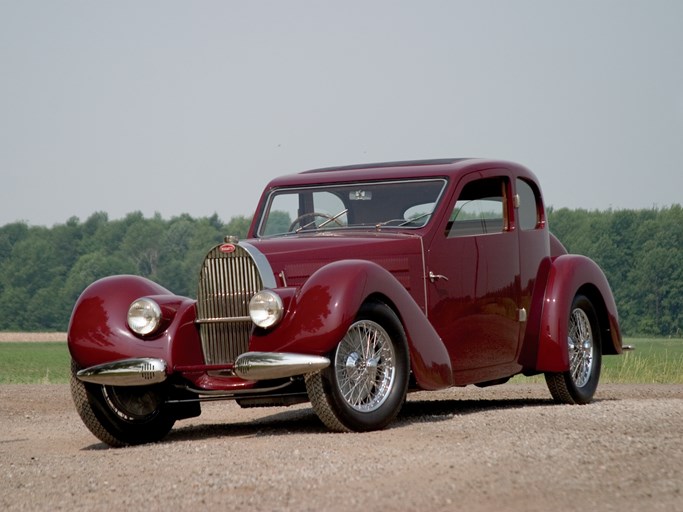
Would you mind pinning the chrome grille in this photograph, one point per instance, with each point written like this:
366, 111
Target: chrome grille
227, 283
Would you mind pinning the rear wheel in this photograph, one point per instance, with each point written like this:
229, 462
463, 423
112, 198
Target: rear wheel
365, 386
121, 415
578, 385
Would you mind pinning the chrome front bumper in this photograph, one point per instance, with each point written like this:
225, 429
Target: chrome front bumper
249, 366
126, 372
277, 365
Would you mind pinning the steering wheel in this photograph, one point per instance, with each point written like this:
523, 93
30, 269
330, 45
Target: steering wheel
313, 215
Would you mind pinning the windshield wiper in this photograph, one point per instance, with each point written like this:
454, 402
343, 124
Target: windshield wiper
415, 219
323, 224
402, 221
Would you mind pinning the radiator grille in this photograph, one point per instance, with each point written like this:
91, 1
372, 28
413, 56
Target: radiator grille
227, 283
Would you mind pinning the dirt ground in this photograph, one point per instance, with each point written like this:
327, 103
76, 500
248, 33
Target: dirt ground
503, 448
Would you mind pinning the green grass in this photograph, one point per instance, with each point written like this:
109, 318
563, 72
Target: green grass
34, 363
655, 360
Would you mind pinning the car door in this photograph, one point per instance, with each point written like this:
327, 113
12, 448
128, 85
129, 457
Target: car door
473, 282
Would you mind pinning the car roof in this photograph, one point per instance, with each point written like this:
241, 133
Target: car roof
382, 165
434, 168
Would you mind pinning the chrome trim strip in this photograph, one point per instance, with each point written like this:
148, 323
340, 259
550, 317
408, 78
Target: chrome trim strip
346, 184
224, 319
277, 365
424, 273
262, 265
143, 371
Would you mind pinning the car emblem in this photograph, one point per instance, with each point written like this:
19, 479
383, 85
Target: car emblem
227, 248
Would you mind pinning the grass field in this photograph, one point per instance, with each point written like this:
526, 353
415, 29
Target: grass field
34, 363
657, 361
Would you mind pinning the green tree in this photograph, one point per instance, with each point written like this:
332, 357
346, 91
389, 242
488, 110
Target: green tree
176, 244
238, 226
10, 235
278, 222
88, 269
43, 270
142, 244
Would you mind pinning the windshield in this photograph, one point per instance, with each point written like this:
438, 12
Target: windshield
406, 204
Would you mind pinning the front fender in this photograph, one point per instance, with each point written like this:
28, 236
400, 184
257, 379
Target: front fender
568, 276
98, 332
319, 315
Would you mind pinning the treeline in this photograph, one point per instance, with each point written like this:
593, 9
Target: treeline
641, 252
43, 270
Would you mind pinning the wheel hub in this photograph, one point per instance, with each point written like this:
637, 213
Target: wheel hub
133, 404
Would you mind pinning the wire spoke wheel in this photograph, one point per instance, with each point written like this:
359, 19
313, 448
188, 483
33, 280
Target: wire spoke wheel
364, 366
580, 344
365, 386
578, 384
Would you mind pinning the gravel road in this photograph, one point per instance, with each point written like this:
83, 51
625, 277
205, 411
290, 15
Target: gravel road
503, 448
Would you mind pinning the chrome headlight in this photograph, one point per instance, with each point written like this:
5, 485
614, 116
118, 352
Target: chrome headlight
265, 308
144, 316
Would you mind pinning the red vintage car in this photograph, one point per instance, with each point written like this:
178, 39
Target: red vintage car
355, 286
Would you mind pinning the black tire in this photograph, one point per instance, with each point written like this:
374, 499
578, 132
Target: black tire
578, 385
364, 390
121, 416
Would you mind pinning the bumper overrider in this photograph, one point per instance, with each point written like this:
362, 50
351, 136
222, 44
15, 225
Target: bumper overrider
249, 366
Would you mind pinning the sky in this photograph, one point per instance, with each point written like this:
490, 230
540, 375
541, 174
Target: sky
176, 107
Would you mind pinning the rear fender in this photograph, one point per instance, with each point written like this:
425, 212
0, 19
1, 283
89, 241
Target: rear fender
98, 330
568, 276
319, 315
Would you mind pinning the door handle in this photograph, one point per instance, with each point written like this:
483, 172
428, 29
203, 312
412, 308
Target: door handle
435, 277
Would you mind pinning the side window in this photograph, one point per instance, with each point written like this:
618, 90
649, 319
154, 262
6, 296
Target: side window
480, 209
528, 206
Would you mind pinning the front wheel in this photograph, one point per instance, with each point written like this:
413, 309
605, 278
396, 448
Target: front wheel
365, 386
121, 415
578, 385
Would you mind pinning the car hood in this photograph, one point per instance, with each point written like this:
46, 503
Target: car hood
294, 259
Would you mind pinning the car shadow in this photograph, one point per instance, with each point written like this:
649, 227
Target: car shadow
287, 422
305, 421
420, 411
